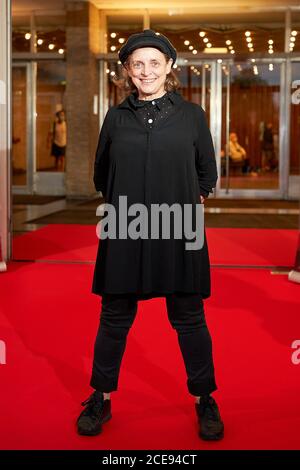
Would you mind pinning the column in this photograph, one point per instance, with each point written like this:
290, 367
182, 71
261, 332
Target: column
82, 77
5, 132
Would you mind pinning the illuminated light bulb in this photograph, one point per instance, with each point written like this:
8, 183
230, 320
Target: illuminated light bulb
40, 42
27, 36
247, 33
294, 33
202, 34
248, 39
250, 44
107, 70
232, 51
228, 42
121, 40
251, 49
51, 46
113, 35
113, 73
186, 42
220, 61
61, 51
270, 41
191, 48
208, 44
293, 39
113, 48
194, 51
205, 40
270, 51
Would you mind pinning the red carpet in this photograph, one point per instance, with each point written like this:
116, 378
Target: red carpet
48, 321
229, 246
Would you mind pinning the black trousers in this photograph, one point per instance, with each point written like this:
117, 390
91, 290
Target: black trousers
186, 316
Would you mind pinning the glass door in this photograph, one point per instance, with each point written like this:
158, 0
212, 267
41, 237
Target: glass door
22, 144
252, 137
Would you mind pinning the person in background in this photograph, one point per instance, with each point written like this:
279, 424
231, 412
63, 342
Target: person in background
58, 136
237, 153
268, 163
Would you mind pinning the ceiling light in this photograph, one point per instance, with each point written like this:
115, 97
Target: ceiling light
205, 40
61, 51
113, 35
251, 49
293, 39
250, 44
247, 33
232, 51
270, 41
202, 34
248, 39
186, 42
194, 51
270, 51
40, 42
51, 46
27, 36
208, 44
121, 40
294, 33
113, 48
191, 48
228, 42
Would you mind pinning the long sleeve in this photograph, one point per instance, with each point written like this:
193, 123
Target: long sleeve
205, 155
102, 156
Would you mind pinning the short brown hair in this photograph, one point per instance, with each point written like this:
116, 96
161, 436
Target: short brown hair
172, 83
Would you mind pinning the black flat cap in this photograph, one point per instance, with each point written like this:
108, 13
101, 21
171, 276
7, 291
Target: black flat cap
148, 38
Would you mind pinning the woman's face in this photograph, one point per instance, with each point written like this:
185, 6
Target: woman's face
148, 70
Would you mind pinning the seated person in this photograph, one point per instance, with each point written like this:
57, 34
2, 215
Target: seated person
237, 153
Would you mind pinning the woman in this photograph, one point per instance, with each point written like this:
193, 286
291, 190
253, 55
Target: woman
154, 148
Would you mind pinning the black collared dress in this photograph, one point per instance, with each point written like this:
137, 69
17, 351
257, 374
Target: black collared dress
153, 152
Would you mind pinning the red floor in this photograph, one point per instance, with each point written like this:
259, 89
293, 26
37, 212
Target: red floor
48, 321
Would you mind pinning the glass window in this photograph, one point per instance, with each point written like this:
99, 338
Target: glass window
51, 83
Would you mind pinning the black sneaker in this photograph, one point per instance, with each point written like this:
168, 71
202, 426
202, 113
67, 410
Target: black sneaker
97, 411
211, 427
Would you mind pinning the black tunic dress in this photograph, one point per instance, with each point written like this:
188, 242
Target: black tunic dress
154, 152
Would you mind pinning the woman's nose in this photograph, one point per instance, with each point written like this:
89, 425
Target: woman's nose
146, 69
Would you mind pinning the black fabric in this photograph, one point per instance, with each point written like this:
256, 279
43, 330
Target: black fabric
147, 38
152, 111
173, 162
186, 315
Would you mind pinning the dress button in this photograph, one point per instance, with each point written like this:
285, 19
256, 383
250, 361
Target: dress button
150, 121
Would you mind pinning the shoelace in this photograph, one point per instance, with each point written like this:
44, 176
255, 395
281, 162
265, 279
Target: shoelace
208, 406
94, 404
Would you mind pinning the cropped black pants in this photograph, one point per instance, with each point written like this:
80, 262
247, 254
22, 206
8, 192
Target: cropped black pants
186, 315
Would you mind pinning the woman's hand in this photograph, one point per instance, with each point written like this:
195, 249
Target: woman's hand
202, 199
